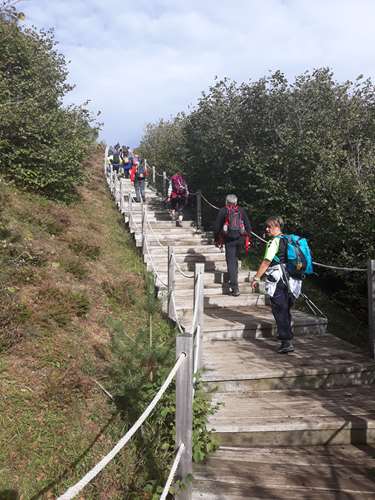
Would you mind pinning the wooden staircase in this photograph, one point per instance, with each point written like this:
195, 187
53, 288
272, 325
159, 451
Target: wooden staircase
296, 426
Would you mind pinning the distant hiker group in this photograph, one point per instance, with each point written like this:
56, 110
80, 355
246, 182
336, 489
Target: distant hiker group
287, 257
125, 162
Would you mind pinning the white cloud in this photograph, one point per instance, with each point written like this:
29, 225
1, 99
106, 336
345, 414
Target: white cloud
141, 60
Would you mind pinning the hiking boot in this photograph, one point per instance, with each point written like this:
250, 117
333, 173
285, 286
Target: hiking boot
235, 291
285, 348
178, 223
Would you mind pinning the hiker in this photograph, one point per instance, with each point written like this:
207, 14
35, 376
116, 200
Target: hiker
280, 286
138, 176
125, 161
178, 195
115, 160
231, 228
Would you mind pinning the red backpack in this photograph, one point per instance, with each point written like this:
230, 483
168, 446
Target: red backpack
179, 185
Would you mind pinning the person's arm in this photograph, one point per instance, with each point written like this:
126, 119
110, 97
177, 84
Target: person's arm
219, 222
271, 252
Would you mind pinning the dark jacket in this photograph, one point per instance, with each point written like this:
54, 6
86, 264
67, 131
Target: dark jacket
220, 220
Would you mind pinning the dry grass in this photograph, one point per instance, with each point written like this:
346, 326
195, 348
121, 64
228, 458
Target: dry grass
66, 273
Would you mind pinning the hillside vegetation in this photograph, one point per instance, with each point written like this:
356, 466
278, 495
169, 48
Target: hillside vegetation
304, 150
42, 141
75, 307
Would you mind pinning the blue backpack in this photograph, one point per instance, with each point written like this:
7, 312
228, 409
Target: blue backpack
298, 256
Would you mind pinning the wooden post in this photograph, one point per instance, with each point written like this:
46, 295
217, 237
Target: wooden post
153, 175
199, 272
164, 184
171, 282
199, 209
121, 204
144, 230
371, 305
184, 414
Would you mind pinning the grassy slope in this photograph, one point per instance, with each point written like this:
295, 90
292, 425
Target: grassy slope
67, 274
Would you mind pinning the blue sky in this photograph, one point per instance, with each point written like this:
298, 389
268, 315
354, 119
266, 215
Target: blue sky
138, 61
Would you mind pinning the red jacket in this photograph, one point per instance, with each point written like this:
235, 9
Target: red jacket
133, 172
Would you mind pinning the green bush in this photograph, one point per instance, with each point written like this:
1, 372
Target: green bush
42, 143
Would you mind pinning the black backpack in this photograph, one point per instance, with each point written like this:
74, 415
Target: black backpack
116, 158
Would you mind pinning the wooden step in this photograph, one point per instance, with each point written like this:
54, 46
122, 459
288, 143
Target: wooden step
296, 417
317, 473
231, 323
321, 361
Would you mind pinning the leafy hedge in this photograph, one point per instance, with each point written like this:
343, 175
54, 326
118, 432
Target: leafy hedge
42, 142
304, 150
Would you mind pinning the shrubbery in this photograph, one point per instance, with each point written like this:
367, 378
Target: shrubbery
304, 150
42, 142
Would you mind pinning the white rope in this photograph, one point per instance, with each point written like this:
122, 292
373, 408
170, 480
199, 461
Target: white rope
172, 473
213, 206
152, 262
74, 490
339, 268
180, 270
153, 232
179, 326
259, 237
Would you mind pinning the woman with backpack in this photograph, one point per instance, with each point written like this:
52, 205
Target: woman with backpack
178, 195
281, 287
138, 176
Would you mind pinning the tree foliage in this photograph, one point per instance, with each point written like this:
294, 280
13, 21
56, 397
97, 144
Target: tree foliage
304, 150
42, 142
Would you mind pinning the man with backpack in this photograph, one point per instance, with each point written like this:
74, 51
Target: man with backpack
138, 176
116, 160
286, 260
232, 228
178, 195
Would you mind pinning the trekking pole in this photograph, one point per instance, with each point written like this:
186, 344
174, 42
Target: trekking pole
199, 210
371, 305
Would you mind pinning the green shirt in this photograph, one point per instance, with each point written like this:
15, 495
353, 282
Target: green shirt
272, 249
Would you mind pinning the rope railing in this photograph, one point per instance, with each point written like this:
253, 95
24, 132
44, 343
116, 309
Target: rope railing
87, 478
173, 471
187, 346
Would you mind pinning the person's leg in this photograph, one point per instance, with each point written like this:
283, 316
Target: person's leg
180, 210
280, 304
142, 189
232, 263
137, 192
173, 208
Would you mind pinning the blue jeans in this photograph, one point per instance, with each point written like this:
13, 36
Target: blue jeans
139, 187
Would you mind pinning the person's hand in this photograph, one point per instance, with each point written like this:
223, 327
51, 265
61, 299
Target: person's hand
254, 283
